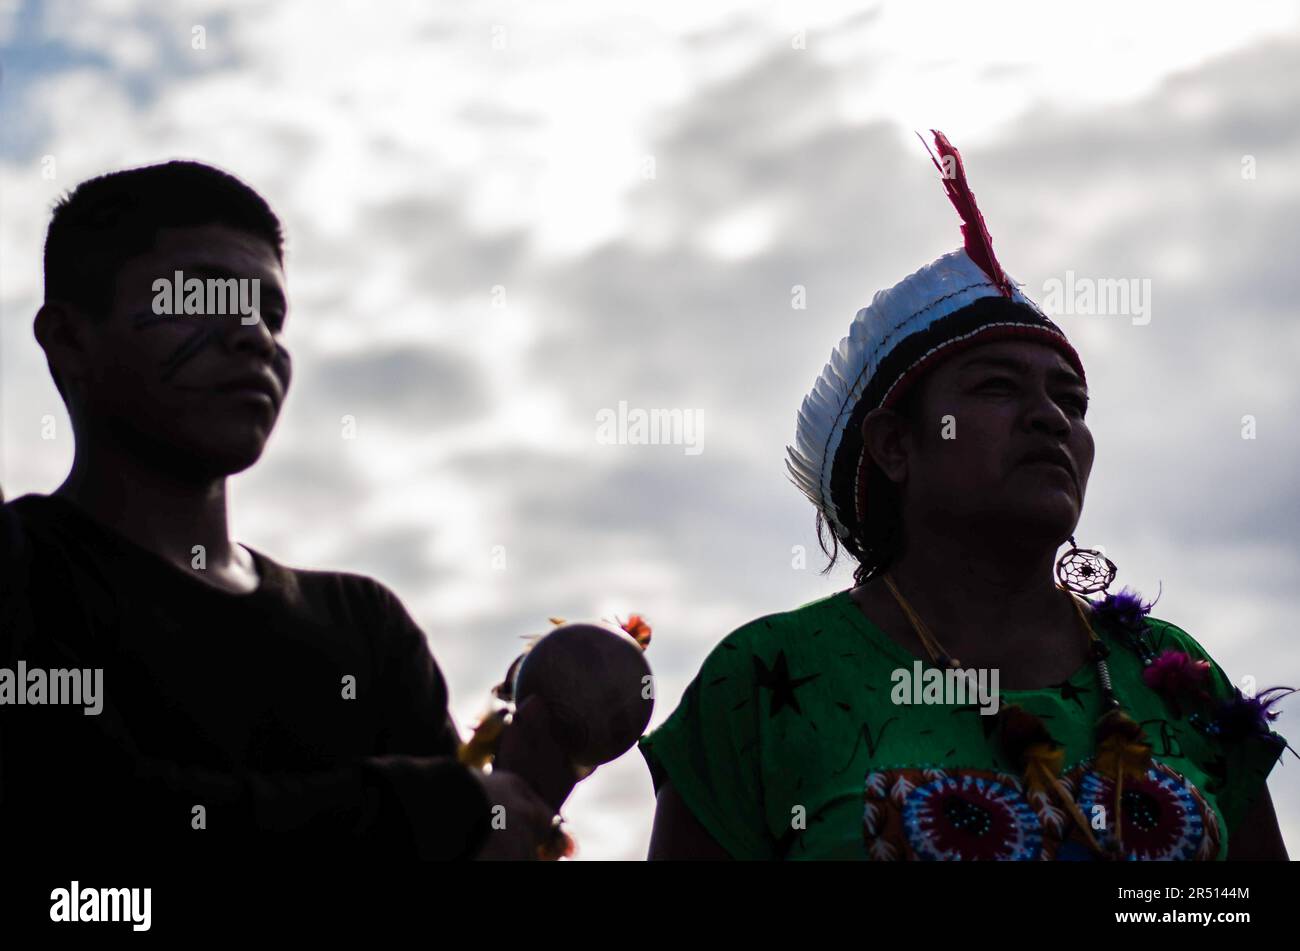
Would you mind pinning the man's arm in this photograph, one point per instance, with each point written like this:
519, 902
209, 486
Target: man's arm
531, 775
85, 777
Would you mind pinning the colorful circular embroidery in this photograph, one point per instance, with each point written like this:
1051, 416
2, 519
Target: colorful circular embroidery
977, 814
970, 818
1161, 815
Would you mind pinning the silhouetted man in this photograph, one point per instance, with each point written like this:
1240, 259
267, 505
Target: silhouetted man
165, 690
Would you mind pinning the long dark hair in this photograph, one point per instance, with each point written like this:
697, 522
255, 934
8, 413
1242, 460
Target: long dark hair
877, 538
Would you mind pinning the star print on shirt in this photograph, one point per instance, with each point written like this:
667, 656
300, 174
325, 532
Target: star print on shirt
777, 679
1070, 692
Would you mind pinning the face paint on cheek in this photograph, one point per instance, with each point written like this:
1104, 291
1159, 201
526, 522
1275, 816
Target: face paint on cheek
144, 320
191, 345
188, 348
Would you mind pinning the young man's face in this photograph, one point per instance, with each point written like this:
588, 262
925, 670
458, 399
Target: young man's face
197, 393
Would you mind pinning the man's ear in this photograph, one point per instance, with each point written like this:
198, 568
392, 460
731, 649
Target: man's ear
63, 331
882, 436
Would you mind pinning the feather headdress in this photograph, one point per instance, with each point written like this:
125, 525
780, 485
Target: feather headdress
960, 300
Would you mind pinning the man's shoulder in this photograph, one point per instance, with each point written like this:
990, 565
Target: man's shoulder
346, 593
322, 577
35, 523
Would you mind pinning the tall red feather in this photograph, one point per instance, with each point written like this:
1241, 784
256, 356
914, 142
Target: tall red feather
979, 246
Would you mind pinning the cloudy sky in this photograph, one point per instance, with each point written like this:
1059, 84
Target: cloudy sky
504, 218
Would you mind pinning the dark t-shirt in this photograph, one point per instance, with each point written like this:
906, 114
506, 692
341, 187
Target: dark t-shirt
307, 717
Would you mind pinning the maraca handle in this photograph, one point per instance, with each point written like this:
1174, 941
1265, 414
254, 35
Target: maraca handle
529, 750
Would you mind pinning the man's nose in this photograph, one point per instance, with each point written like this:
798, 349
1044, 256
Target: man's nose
249, 334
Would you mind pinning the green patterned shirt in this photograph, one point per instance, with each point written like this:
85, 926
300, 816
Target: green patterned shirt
788, 745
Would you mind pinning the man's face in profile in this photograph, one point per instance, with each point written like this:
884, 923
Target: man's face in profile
205, 390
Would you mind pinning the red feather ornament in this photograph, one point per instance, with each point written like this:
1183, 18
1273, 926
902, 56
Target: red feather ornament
979, 246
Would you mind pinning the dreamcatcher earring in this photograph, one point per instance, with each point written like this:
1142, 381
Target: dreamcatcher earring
1084, 570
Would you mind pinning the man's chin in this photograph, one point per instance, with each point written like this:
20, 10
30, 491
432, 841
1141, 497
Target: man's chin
231, 460
195, 451
218, 458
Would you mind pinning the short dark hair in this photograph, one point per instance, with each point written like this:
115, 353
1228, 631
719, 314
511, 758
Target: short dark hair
876, 541
106, 221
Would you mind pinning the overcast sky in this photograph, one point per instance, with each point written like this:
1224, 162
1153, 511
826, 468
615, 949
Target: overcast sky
505, 218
